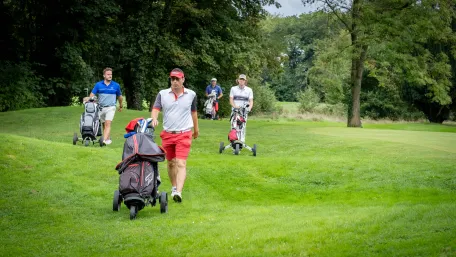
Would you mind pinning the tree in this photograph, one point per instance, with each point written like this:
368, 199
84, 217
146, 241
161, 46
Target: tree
352, 15
292, 40
401, 24
418, 56
62, 50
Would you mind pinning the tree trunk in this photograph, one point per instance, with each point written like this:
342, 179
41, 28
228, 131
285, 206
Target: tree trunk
354, 118
436, 113
358, 57
133, 85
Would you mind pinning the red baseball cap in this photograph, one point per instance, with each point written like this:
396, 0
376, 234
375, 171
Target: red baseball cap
176, 73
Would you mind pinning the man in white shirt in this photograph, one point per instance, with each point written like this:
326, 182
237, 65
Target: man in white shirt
240, 95
179, 118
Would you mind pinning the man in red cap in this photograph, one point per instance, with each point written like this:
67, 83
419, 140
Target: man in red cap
179, 117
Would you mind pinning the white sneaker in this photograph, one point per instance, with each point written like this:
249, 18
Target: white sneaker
177, 197
107, 142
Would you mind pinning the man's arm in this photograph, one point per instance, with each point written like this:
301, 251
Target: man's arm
120, 98
94, 91
195, 124
154, 116
232, 98
156, 110
251, 100
232, 102
193, 109
221, 93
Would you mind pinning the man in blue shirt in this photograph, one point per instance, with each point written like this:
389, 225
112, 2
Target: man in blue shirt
214, 89
108, 91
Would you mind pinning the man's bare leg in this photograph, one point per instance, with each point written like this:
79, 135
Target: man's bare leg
107, 129
181, 174
172, 172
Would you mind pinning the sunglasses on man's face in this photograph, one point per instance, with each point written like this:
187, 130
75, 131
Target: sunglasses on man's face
174, 78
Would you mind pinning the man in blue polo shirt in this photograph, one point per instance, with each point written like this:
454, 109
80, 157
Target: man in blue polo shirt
214, 89
108, 91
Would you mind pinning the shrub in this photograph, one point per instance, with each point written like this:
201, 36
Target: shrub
338, 109
20, 87
308, 100
263, 97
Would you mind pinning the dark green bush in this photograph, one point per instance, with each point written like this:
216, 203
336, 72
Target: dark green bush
20, 87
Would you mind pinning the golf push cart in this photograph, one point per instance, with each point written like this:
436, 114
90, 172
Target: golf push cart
139, 177
89, 124
236, 136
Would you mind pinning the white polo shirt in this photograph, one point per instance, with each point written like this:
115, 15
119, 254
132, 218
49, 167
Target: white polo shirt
177, 110
241, 96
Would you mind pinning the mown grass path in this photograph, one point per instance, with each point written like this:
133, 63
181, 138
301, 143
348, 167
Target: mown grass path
315, 189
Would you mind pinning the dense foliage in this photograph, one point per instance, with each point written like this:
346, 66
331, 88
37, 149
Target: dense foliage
54, 54
382, 59
377, 59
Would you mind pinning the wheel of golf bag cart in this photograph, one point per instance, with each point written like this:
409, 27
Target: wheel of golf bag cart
101, 141
163, 202
254, 150
236, 149
221, 147
86, 141
100, 131
133, 212
75, 138
116, 202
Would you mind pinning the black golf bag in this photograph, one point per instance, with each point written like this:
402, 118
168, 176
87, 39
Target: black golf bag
139, 176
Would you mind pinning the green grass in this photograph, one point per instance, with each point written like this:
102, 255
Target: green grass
315, 189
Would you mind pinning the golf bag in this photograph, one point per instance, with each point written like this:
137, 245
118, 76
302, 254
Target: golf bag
238, 124
90, 126
139, 177
236, 136
209, 106
232, 136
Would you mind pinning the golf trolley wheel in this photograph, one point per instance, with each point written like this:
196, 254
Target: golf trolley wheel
254, 149
75, 138
133, 212
101, 141
86, 142
100, 130
116, 202
163, 202
221, 147
236, 149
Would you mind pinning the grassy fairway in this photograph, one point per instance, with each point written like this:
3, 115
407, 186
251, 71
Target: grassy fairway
315, 189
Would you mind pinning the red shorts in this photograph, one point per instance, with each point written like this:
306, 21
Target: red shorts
176, 145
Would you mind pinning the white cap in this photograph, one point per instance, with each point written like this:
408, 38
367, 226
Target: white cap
213, 79
243, 76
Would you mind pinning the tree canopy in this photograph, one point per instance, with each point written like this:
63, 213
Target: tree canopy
379, 59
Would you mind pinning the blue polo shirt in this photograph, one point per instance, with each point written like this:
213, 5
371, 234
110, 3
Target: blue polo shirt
107, 94
217, 89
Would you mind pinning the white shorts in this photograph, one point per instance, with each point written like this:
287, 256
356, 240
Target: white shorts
107, 113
